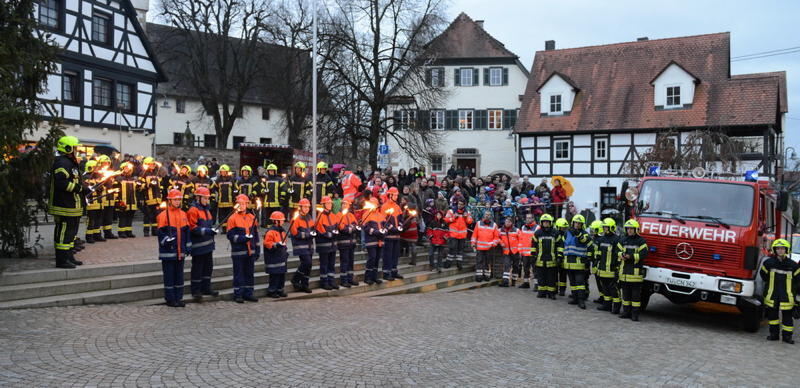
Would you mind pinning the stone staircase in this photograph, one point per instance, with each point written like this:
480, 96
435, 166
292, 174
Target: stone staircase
141, 283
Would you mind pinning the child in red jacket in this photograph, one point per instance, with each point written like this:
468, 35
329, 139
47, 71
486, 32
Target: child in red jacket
437, 233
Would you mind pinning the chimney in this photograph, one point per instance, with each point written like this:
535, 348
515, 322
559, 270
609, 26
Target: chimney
549, 45
141, 6
642, 39
479, 23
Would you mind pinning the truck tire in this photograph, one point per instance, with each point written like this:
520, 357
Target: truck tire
646, 294
751, 319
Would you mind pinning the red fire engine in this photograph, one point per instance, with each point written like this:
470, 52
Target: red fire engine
260, 155
707, 238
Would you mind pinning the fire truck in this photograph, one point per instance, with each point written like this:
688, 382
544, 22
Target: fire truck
707, 238
260, 155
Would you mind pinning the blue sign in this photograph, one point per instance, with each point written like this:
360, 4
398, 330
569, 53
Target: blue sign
383, 149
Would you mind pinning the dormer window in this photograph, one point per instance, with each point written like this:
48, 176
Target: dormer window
555, 103
673, 96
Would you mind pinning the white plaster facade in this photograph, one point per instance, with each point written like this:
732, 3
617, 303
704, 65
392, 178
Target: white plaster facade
673, 76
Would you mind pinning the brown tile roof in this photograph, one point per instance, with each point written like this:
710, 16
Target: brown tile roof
464, 38
616, 94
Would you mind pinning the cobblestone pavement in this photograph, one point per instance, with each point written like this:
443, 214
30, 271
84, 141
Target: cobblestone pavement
487, 337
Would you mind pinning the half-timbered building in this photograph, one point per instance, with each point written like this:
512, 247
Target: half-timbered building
589, 112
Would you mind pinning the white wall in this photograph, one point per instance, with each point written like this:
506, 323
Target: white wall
673, 76
252, 126
484, 96
129, 143
556, 85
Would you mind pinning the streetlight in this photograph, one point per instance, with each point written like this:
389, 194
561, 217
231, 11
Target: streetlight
314, 108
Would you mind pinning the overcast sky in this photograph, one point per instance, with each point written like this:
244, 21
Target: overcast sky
755, 26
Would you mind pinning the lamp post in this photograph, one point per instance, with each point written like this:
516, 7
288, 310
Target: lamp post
314, 108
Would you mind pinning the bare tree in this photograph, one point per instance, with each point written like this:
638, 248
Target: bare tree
216, 43
709, 149
372, 48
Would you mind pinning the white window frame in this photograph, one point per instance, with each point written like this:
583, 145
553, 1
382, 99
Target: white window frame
666, 96
467, 123
466, 81
604, 148
437, 120
498, 119
551, 103
407, 119
437, 77
556, 142
441, 163
495, 71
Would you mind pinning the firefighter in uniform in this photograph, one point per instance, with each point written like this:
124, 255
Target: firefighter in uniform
548, 250
458, 221
66, 200
183, 183
276, 255
374, 232
151, 194
271, 191
484, 238
350, 185
525, 243
248, 185
300, 230
173, 247
561, 226
509, 240
243, 235
394, 226
781, 278
109, 199
632, 251
201, 226
595, 231
94, 211
607, 265
410, 234
346, 243
202, 179
577, 251
127, 204
299, 186
325, 185
225, 188
436, 231
325, 228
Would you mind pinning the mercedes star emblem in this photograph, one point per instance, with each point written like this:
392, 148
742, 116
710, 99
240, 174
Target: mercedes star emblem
684, 251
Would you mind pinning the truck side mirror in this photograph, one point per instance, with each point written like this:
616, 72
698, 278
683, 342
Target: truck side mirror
783, 201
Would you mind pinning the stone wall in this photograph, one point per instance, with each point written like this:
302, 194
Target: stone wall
230, 157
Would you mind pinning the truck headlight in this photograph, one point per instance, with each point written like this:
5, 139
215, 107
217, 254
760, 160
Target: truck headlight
730, 286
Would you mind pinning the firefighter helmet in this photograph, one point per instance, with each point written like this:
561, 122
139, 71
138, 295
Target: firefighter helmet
277, 216
322, 165
780, 243
578, 218
246, 168
203, 192
202, 168
90, 165
103, 159
546, 217
326, 199
148, 160
187, 167
272, 167
304, 202
126, 165
67, 144
562, 223
300, 165
174, 194
242, 198
631, 224
611, 224
225, 167
596, 226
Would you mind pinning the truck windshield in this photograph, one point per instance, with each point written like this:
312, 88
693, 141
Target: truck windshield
729, 203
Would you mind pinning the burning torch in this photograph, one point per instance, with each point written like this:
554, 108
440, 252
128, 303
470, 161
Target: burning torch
390, 211
235, 209
291, 224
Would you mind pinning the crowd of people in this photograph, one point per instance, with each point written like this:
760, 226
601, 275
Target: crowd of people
545, 243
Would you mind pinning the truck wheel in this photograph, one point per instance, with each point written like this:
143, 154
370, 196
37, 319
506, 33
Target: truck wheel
645, 298
751, 319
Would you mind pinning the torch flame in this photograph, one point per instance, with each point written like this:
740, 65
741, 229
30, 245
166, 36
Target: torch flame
236, 207
344, 211
412, 212
369, 206
163, 205
296, 214
390, 210
258, 203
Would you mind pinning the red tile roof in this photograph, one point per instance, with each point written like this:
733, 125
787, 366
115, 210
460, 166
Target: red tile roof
616, 94
465, 38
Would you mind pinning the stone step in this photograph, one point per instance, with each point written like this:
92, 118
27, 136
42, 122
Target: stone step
436, 283
71, 286
153, 291
468, 286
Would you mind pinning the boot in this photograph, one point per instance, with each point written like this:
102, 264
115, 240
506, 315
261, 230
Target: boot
62, 260
541, 294
535, 287
573, 299
459, 265
504, 283
211, 293
332, 284
146, 232
478, 278
109, 235
788, 339
773, 333
562, 291
153, 231
198, 298
513, 283
773, 337
180, 303
377, 281
89, 238
626, 312
352, 282
73, 261
131, 235
344, 283
397, 276
250, 298
121, 234
525, 285
615, 307
551, 295
581, 303
635, 314
281, 293
324, 285
599, 300
238, 299
606, 306
98, 237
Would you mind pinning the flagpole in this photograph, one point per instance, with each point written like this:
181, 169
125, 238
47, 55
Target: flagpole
314, 108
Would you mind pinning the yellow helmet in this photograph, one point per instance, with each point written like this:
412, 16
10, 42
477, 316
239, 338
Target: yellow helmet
90, 165
562, 223
631, 224
67, 144
780, 243
546, 217
125, 165
187, 167
610, 223
246, 168
148, 160
596, 226
103, 159
300, 165
225, 167
578, 218
272, 167
321, 165
202, 168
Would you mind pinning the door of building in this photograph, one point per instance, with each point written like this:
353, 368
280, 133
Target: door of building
467, 163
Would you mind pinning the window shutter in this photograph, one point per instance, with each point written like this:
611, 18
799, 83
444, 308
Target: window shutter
505, 76
481, 119
507, 118
486, 76
457, 81
396, 117
428, 76
423, 120
451, 119
476, 76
